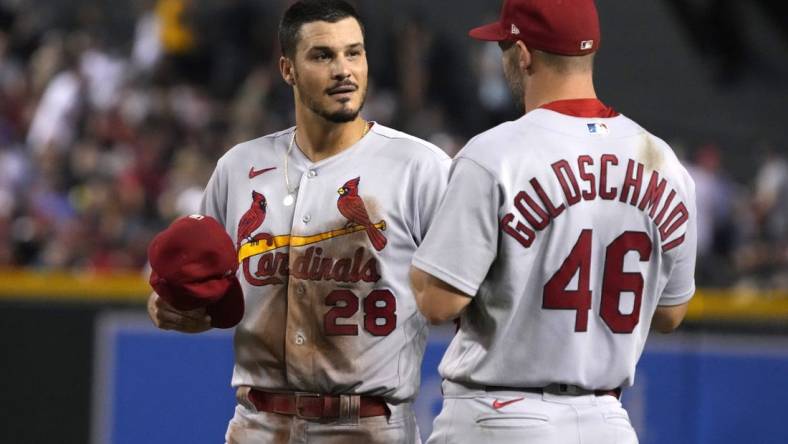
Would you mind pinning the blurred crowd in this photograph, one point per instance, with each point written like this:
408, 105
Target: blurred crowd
742, 227
108, 133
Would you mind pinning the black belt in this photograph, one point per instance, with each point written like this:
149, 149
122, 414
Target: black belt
557, 389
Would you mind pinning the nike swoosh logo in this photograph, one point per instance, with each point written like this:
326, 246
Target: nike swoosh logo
253, 173
501, 404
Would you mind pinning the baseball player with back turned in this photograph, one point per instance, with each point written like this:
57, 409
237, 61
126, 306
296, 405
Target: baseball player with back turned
563, 237
326, 217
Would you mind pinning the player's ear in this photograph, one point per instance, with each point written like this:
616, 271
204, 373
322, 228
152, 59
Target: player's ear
525, 57
286, 69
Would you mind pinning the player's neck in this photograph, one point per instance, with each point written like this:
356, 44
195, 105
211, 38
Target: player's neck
545, 89
320, 139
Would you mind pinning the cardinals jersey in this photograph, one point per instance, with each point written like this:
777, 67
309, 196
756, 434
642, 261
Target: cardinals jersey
567, 232
325, 275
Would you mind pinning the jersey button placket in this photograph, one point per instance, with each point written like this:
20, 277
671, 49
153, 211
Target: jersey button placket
310, 174
302, 186
300, 338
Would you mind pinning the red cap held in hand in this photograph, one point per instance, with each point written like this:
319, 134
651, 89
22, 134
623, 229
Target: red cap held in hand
194, 263
565, 27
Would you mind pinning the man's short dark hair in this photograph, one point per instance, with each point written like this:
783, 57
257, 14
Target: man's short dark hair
308, 11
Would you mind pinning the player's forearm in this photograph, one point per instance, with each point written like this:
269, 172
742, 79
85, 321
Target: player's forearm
437, 301
667, 319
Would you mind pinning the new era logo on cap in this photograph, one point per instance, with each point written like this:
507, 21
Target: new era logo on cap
586, 45
515, 29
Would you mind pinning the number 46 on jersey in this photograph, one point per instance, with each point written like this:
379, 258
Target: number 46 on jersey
614, 281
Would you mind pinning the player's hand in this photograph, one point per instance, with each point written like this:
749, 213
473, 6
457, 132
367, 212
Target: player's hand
167, 317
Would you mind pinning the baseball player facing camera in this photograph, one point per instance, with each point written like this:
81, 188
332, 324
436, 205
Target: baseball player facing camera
325, 217
563, 237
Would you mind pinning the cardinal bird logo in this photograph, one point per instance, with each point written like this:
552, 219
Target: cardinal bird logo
253, 218
352, 207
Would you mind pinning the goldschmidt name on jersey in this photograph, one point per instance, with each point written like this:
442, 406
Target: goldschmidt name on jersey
587, 185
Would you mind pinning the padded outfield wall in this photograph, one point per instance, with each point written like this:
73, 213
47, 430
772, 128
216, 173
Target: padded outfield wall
82, 364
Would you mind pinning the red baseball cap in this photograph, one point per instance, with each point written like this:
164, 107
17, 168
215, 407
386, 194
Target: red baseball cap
193, 265
565, 27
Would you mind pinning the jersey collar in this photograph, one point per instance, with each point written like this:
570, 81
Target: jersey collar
581, 108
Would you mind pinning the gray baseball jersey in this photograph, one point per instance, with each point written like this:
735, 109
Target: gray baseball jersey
568, 232
325, 275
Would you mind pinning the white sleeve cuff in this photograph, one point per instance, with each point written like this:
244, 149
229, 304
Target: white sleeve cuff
446, 276
681, 298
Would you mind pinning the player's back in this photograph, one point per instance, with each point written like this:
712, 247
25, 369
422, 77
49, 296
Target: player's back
595, 232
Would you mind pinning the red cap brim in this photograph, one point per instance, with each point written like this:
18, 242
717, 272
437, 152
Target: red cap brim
492, 32
178, 299
191, 295
228, 311
208, 291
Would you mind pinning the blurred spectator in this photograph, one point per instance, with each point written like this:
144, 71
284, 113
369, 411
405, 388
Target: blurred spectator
771, 197
13, 93
54, 124
147, 48
715, 200
769, 257
104, 73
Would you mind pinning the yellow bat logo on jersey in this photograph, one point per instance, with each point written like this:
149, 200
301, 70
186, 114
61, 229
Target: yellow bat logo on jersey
262, 246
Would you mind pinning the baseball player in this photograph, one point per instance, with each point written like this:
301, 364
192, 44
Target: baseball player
563, 237
326, 217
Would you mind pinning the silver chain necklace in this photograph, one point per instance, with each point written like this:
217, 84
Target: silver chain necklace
290, 198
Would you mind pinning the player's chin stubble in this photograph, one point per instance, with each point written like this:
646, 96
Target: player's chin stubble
344, 115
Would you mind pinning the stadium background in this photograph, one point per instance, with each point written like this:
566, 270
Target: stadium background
112, 114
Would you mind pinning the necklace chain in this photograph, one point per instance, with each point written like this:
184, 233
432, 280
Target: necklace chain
287, 157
